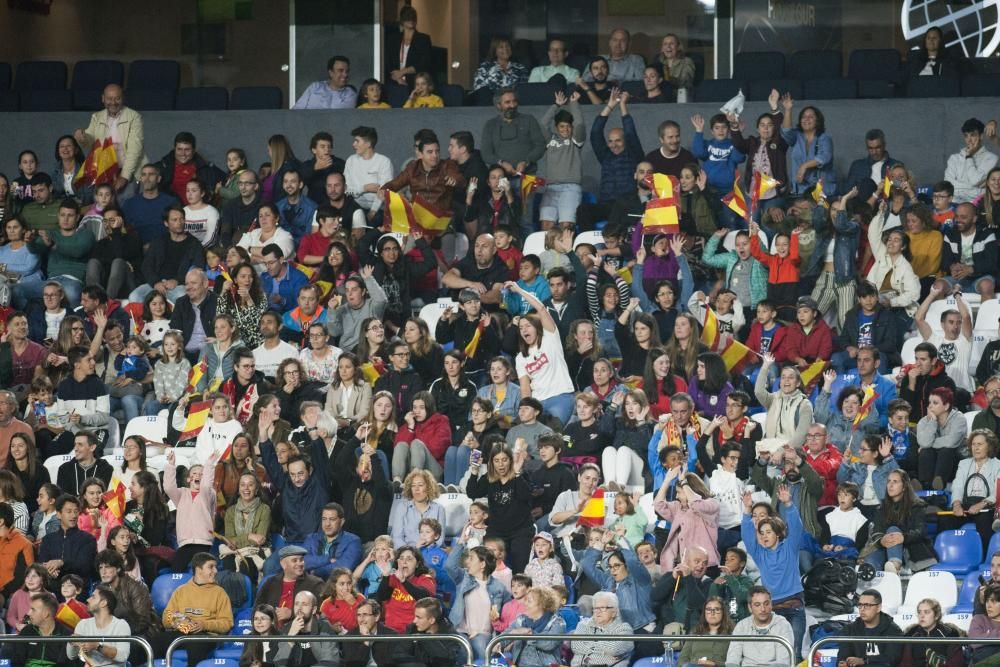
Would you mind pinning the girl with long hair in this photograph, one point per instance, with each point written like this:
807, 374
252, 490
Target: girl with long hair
95, 516
236, 164
201, 219
349, 398
811, 149
510, 499
241, 461
500, 391
453, 393
243, 299
265, 422
22, 460
582, 352
715, 620
340, 601
133, 461
220, 355
374, 345
480, 424
120, 539
247, 522
685, 345
709, 386
606, 302
426, 355
337, 266
12, 493
636, 343
36, 581
264, 624
989, 205
422, 440
624, 462
282, 157
156, 311
659, 381
170, 375
899, 530
693, 516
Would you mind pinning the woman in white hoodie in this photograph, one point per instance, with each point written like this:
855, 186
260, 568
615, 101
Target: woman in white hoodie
892, 273
728, 489
219, 431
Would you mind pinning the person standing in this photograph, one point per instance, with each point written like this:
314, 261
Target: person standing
124, 127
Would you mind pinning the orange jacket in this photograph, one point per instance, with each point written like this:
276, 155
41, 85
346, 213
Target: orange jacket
16, 555
779, 269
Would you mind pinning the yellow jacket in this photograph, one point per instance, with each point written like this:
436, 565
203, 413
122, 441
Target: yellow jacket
425, 102
206, 603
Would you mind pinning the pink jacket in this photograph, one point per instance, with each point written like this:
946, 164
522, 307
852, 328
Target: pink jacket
697, 526
510, 611
195, 512
100, 532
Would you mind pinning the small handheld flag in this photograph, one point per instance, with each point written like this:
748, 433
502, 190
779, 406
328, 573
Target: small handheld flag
114, 498
529, 183
71, 612
196, 418
593, 511
101, 166
812, 374
399, 212
662, 214
736, 200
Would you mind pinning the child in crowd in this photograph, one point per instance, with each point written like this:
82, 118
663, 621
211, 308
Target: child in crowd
71, 610
766, 335
530, 280
48, 418
519, 585
95, 517
93, 217
720, 159
544, 568
508, 253
371, 95
568, 612
550, 257
646, 553
503, 573
134, 365
45, 520
942, 205
732, 585
475, 530
528, 430
728, 310
429, 532
782, 267
423, 96
563, 161
27, 164
629, 521
614, 251
482, 596
377, 564
213, 263
845, 522
904, 438
36, 580
155, 320
170, 374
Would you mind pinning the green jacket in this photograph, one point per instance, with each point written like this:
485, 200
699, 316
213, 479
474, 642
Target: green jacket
69, 254
736, 588
812, 489
727, 259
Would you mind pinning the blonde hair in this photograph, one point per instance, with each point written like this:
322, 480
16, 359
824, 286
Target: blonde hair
429, 481
178, 338
546, 598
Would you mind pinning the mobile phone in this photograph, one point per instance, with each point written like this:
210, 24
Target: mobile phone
475, 457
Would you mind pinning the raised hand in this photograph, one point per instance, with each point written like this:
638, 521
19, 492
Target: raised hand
774, 98
787, 103
699, 122
702, 180
829, 377
885, 448
560, 98
367, 271
677, 244
767, 359
640, 255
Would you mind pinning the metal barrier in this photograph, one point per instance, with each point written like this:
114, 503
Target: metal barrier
499, 639
102, 639
962, 641
206, 639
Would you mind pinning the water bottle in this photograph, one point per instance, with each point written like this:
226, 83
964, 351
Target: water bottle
668, 655
682, 96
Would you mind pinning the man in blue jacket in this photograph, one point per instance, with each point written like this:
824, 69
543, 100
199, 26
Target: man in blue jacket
332, 546
69, 550
280, 282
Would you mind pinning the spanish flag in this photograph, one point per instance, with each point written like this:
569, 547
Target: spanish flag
710, 329
765, 184
308, 271
866, 406
735, 200
886, 189
593, 511
72, 612
114, 498
399, 212
326, 290
372, 371
473, 345
662, 215
196, 418
195, 375
736, 355
431, 219
812, 374
101, 166
529, 183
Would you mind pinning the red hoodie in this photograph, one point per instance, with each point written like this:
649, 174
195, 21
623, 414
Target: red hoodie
818, 344
826, 464
777, 339
435, 432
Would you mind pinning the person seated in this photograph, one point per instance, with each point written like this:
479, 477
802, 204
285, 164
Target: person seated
498, 71
198, 607
601, 88
761, 621
557, 66
332, 547
68, 550
334, 93
681, 594
43, 623
941, 435
422, 96
281, 589
967, 169
132, 601
623, 66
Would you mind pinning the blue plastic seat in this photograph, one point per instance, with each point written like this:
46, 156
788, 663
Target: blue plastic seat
452, 94
255, 97
41, 75
164, 586
759, 66
206, 98
395, 94
967, 593
830, 89
537, 94
150, 99
932, 86
154, 75
248, 589
46, 100
959, 551
219, 662
815, 64
718, 90
6, 76
89, 80
992, 548
876, 71
981, 85
759, 90
242, 625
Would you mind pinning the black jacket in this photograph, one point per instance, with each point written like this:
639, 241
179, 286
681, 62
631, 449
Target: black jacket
366, 504
459, 330
685, 605
127, 246
925, 385
476, 168
206, 172
77, 549
70, 476
454, 403
315, 180
21, 653
154, 265
432, 653
403, 386
236, 218
418, 56
385, 654
396, 281
873, 653
885, 334
984, 251
183, 316
914, 528
310, 390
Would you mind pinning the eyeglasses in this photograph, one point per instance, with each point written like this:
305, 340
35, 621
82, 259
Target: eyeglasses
733, 457
868, 605
402, 354
713, 610
604, 608
615, 566
993, 392
248, 366
376, 327
813, 436
292, 372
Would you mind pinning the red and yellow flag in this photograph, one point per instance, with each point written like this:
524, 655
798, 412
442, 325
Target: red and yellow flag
812, 374
818, 195
431, 219
372, 371
399, 212
736, 201
114, 498
866, 406
529, 183
196, 418
765, 184
662, 215
710, 329
473, 345
72, 612
886, 189
101, 166
593, 511
195, 375
308, 271
736, 355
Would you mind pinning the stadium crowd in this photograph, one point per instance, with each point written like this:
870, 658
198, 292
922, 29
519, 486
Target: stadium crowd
573, 443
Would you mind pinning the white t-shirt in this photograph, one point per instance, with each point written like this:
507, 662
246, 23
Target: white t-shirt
202, 224
955, 355
845, 524
117, 628
359, 172
268, 360
282, 238
52, 322
546, 367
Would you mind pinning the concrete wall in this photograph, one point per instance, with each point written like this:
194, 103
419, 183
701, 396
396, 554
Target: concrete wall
921, 133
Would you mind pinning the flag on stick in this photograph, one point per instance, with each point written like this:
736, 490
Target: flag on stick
662, 214
430, 218
195, 375
736, 200
101, 166
710, 329
593, 511
72, 612
196, 418
866, 406
736, 355
812, 374
529, 183
399, 212
114, 498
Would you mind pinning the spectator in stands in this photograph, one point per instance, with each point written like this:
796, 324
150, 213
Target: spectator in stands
901, 523
625, 577
510, 500
678, 69
68, 550
824, 458
101, 605
335, 92
681, 593
419, 491
84, 465
272, 351
296, 210
967, 169
986, 624
201, 219
849, 423
124, 126
871, 622
482, 271
954, 341
407, 51
366, 171
868, 173
670, 157
916, 381
332, 547
623, 66
169, 258
491, 206
400, 590
283, 587
41, 212
67, 249
789, 412
539, 618
397, 273
869, 467
117, 258
618, 156
869, 326
132, 601
20, 359
144, 212
316, 171
498, 71
933, 57
605, 620
472, 571
198, 607
989, 417
16, 554
248, 517
146, 516
653, 88
193, 311
969, 254
239, 214
557, 66
69, 157
422, 96
196, 505
627, 417
363, 299
268, 233
941, 434
24, 463
988, 208
21, 261
733, 427
974, 486
42, 617
243, 301
811, 159
184, 164
361, 654
600, 88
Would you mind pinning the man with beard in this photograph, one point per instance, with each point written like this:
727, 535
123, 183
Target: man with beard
804, 485
969, 253
680, 603
954, 341
670, 157
626, 212
917, 380
428, 176
102, 623
306, 621
362, 654
989, 417
482, 272
599, 90
513, 141
269, 354
239, 214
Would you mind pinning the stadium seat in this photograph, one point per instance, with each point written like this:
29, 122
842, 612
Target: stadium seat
242, 625
115, 460
6, 76
699, 65
844, 617
938, 585
815, 64
395, 94
988, 316
456, 512
655, 661
154, 75
717, 90
967, 594
890, 586
40, 75
936, 309
89, 79
909, 345
759, 66
759, 90
219, 662
10, 100
992, 548
537, 94
876, 70
249, 590
46, 100
179, 660
969, 417
164, 586
206, 98
534, 244
961, 621
149, 99
905, 619
826, 657
452, 94
153, 429
592, 238
760, 418
53, 462
255, 97
932, 86
830, 89
432, 312
981, 85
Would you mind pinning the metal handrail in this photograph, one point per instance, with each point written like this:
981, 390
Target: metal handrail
101, 639
218, 639
504, 638
838, 639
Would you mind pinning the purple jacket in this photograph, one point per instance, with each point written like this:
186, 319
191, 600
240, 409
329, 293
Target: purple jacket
703, 400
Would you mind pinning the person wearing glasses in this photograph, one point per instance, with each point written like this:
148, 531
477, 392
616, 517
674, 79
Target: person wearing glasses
728, 488
989, 417
626, 578
761, 621
871, 622
714, 621
399, 379
605, 621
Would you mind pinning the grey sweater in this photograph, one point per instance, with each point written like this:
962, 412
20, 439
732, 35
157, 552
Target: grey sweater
950, 436
563, 157
759, 654
345, 322
519, 140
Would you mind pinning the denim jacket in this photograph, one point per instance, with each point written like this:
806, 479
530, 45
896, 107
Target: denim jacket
634, 605
498, 594
846, 233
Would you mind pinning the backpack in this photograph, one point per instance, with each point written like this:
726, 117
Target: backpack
830, 585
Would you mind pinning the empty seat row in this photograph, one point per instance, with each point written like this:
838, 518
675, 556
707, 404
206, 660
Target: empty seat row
209, 98
971, 85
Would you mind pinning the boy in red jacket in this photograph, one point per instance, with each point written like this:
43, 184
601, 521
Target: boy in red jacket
782, 268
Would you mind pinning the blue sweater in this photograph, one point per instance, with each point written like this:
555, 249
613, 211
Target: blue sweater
719, 160
323, 557
297, 218
617, 171
301, 507
779, 567
288, 288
